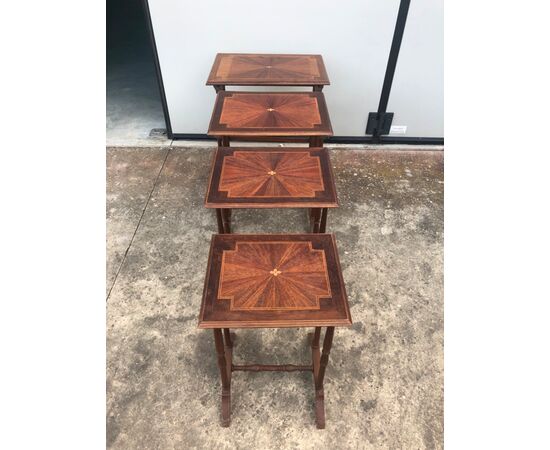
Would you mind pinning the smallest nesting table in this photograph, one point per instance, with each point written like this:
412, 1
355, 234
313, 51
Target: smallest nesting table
252, 177
273, 281
252, 69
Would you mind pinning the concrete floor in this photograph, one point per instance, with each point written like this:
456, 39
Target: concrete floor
384, 382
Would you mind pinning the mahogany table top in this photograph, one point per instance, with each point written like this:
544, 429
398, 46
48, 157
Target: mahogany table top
273, 281
252, 177
270, 114
248, 69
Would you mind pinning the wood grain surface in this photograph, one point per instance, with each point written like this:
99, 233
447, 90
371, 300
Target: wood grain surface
273, 276
271, 174
261, 177
268, 70
280, 280
270, 114
270, 111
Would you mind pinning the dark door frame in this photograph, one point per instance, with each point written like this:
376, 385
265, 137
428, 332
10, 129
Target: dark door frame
378, 122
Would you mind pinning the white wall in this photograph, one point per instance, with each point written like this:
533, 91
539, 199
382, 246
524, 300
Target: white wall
353, 36
416, 97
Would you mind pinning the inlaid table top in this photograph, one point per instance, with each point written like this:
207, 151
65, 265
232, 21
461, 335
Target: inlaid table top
272, 281
270, 114
271, 178
247, 69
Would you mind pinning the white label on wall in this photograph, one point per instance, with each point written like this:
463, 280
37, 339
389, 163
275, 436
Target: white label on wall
398, 129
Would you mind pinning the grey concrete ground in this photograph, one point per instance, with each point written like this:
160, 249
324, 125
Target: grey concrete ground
384, 382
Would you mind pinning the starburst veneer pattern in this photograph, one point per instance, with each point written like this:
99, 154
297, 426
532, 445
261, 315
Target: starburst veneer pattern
268, 70
270, 114
270, 111
285, 280
271, 174
273, 276
268, 178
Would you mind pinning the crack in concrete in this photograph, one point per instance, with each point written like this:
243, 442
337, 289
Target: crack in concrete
139, 222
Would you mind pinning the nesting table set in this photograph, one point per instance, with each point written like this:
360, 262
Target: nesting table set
272, 280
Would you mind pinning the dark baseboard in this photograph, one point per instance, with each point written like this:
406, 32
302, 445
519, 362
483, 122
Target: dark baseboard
385, 140
336, 139
192, 137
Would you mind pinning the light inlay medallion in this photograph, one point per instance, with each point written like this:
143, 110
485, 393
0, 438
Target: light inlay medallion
249, 280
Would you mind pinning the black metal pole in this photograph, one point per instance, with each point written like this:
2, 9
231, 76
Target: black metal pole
392, 62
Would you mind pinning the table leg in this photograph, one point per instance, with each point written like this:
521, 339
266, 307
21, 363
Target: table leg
228, 340
316, 362
316, 141
219, 87
226, 141
319, 375
225, 376
317, 88
226, 220
219, 218
315, 217
315, 351
323, 224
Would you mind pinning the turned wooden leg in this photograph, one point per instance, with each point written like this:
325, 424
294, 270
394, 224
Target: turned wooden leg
220, 220
228, 340
226, 220
316, 362
323, 223
228, 337
316, 356
319, 375
225, 376
320, 408
315, 216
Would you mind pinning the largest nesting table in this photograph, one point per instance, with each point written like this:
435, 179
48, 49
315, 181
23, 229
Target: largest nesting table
273, 281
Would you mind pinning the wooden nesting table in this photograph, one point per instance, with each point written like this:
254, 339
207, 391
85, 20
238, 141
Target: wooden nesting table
273, 281
266, 280
295, 116
248, 69
263, 177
